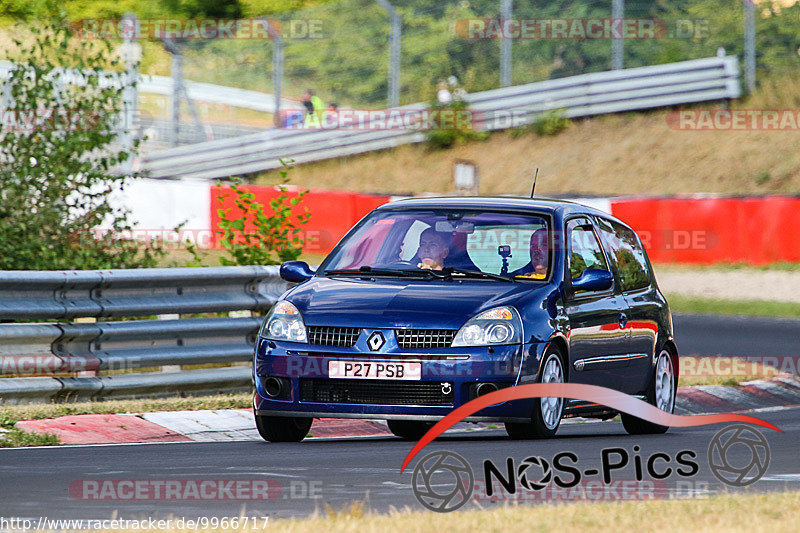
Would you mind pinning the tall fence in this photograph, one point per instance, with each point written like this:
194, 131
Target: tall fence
72, 360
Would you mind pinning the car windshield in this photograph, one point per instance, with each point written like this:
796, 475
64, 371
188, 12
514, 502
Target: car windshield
446, 242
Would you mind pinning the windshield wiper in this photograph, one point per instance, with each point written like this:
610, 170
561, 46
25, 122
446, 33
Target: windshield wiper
478, 274
405, 273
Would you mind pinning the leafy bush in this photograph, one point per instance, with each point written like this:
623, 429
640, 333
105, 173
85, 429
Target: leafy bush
447, 137
550, 123
60, 161
253, 237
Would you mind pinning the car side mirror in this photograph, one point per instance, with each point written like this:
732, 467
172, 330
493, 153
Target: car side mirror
296, 271
593, 279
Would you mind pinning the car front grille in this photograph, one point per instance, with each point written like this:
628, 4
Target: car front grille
425, 338
383, 392
332, 336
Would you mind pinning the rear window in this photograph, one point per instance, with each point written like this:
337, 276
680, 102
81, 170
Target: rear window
626, 253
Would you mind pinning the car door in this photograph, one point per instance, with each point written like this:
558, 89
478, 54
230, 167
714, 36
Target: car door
598, 334
634, 276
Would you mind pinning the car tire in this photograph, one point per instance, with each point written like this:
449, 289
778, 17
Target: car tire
547, 412
660, 392
282, 428
409, 429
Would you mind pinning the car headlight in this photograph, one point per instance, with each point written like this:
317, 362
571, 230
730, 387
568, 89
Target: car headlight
284, 323
500, 325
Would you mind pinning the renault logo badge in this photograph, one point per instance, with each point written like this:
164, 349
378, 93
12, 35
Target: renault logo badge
376, 341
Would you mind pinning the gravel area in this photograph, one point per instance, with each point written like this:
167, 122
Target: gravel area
744, 284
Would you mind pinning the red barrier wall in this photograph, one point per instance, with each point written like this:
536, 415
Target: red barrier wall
674, 230
333, 213
713, 230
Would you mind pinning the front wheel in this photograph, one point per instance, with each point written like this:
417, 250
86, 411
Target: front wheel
282, 428
547, 412
660, 392
409, 429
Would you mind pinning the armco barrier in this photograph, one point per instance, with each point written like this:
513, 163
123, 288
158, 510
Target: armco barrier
50, 361
700, 230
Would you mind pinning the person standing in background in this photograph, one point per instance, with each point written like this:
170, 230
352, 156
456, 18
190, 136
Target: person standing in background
332, 116
314, 107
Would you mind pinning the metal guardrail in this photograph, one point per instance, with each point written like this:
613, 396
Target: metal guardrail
38, 361
579, 96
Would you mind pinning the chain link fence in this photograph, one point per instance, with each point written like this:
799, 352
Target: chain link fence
342, 50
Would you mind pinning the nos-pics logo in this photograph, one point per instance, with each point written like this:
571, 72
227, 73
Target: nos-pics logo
443, 481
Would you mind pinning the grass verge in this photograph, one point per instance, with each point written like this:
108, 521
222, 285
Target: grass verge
688, 304
10, 414
781, 266
728, 512
15, 438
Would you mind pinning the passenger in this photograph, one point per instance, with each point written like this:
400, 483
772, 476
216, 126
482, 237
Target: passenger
537, 268
433, 248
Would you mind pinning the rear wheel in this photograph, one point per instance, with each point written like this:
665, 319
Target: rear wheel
660, 392
282, 428
409, 429
547, 412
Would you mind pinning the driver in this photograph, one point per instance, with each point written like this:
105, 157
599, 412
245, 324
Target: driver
537, 268
433, 248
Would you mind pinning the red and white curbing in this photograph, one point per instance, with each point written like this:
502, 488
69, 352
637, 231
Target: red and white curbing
749, 396
237, 424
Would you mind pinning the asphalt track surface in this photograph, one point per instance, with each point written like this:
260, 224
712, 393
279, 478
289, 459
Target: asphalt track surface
35, 482
736, 335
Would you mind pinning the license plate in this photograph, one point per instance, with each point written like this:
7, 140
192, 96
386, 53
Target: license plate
374, 370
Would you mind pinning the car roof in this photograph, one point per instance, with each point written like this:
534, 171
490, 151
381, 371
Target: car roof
541, 205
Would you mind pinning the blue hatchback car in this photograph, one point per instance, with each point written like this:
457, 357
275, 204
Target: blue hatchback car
428, 303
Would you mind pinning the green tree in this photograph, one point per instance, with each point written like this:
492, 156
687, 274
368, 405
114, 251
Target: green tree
254, 235
60, 158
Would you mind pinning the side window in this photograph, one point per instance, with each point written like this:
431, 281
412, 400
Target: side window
584, 248
627, 253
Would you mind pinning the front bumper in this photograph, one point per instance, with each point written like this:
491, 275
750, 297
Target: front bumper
456, 370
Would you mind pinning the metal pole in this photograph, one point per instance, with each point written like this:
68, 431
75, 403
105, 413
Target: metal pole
177, 82
505, 45
617, 45
131, 54
277, 71
394, 53
750, 45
